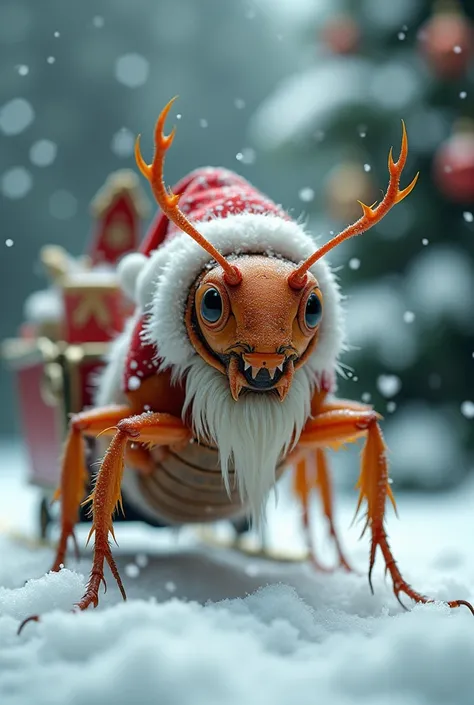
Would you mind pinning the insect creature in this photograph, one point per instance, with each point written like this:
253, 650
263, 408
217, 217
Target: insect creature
225, 374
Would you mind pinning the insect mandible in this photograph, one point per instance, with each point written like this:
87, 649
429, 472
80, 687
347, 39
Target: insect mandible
225, 374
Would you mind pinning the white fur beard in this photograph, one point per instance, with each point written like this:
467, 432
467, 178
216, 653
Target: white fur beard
253, 433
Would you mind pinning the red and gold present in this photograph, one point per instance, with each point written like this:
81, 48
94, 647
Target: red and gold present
94, 313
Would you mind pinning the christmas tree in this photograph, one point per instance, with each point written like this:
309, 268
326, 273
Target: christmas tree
410, 280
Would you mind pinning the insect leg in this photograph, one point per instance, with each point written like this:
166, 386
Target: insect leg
152, 428
74, 475
303, 483
324, 485
334, 428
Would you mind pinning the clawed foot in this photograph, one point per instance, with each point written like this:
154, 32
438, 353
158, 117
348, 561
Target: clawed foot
400, 586
91, 595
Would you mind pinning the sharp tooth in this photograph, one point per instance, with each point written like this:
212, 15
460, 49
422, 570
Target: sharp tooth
280, 367
272, 371
255, 371
247, 365
283, 391
235, 389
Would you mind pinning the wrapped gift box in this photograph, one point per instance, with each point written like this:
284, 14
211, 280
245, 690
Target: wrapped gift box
94, 310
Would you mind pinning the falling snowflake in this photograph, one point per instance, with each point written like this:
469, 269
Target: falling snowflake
170, 586
467, 409
252, 570
366, 397
468, 216
141, 559
425, 241
16, 116
457, 49
203, 123
246, 156
16, 182
391, 406
354, 263
134, 383
57, 34
239, 103
306, 194
43, 152
463, 94
23, 69
132, 70
389, 385
98, 22
132, 570
123, 142
9, 242
401, 36
367, 167
51, 59
408, 316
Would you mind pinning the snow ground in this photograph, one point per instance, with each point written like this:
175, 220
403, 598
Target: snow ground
206, 626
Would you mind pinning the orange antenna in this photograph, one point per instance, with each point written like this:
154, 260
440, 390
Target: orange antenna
370, 215
168, 201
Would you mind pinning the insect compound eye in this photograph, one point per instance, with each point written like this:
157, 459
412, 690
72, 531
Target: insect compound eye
313, 311
212, 306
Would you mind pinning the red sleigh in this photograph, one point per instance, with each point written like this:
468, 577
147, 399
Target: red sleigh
61, 345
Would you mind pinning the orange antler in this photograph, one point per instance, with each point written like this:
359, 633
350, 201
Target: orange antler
370, 217
168, 201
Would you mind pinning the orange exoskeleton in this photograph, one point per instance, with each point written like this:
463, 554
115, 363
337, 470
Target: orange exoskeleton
226, 372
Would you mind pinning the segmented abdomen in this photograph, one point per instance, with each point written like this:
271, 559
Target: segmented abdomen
187, 486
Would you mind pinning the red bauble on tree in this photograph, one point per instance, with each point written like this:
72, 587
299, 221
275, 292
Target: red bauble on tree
453, 166
341, 34
446, 40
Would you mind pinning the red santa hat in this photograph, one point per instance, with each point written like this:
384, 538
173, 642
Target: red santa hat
236, 218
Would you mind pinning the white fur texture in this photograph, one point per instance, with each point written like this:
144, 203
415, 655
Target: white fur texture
164, 282
128, 270
251, 434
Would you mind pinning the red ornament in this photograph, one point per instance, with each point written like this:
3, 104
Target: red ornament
453, 167
446, 41
342, 35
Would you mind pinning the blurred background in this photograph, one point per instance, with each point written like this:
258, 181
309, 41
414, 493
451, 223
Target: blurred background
304, 98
